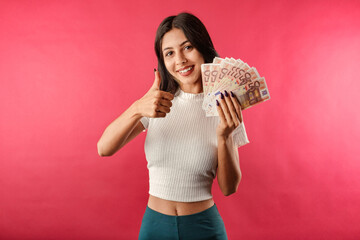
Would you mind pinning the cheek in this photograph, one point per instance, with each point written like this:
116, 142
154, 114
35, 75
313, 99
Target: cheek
199, 58
202, 60
168, 65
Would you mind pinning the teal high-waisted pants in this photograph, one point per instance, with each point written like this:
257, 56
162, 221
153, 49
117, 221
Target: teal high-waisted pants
204, 225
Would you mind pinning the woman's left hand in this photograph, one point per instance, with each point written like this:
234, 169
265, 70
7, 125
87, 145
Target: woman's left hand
229, 110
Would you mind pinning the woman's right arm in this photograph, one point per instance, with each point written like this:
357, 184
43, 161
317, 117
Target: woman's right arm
154, 104
116, 134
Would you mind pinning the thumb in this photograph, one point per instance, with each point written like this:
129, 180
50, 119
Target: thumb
157, 81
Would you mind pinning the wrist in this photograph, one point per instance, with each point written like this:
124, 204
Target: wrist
135, 111
223, 139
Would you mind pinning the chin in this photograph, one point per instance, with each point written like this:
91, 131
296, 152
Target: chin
187, 81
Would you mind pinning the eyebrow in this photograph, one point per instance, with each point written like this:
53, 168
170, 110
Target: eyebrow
180, 45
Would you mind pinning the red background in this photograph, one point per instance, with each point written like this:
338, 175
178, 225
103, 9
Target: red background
68, 68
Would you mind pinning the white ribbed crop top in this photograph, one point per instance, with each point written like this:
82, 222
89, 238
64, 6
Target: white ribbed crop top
181, 150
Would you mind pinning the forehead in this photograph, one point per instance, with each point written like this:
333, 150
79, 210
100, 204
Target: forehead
175, 37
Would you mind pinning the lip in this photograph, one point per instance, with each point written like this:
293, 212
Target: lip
185, 68
187, 73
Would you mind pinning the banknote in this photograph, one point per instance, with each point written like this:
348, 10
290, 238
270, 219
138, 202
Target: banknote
210, 73
232, 75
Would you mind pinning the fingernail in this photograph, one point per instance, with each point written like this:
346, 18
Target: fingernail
232, 94
226, 94
222, 96
217, 103
154, 69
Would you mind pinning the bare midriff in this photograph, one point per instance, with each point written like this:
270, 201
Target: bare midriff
178, 208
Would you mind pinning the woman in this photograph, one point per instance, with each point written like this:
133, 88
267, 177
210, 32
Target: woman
184, 148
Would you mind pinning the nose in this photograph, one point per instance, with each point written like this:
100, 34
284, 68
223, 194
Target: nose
180, 58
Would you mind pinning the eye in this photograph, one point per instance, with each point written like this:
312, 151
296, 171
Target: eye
169, 53
188, 47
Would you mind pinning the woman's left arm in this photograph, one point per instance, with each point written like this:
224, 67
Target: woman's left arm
228, 172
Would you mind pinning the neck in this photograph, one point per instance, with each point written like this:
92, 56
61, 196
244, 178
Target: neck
197, 88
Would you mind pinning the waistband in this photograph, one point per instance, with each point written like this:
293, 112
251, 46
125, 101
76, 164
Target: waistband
210, 213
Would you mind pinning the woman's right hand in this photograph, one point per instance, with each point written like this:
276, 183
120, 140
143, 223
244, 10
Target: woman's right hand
155, 103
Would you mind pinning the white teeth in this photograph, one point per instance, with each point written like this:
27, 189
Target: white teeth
186, 70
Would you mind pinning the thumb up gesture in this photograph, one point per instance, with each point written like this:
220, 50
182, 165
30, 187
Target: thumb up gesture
155, 103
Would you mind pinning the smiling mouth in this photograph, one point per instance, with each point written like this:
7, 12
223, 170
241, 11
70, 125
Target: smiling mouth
186, 69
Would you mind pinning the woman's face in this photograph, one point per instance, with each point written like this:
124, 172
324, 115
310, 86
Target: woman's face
182, 60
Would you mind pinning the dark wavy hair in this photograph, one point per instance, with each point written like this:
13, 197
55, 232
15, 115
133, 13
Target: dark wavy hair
195, 32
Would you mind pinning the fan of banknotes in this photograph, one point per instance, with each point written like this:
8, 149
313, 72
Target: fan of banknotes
232, 75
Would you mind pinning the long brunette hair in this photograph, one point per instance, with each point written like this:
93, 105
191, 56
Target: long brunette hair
195, 32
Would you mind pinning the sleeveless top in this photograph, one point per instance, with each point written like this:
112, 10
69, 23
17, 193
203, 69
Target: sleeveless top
181, 150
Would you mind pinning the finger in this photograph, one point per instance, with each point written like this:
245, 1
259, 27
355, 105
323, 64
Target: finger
157, 81
237, 106
163, 95
220, 112
166, 95
165, 103
225, 109
163, 109
231, 108
159, 114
